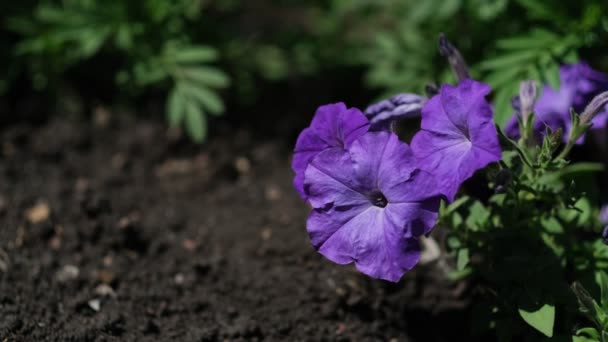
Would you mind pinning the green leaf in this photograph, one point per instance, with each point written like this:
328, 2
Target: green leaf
124, 37
459, 275
196, 125
499, 77
540, 9
542, 319
552, 225
502, 102
584, 339
195, 54
551, 75
581, 168
588, 334
532, 40
447, 8
175, 108
93, 42
602, 280
510, 59
452, 207
205, 97
478, 216
573, 170
210, 77
487, 10
462, 259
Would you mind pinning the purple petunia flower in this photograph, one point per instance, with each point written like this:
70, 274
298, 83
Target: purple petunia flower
579, 83
458, 135
370, 205
400, 106
333, 126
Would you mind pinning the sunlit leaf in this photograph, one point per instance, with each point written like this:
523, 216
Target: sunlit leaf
195, 54
175, 108
205, 97
210, 77
196, 124
462, 259
541, 319
507, 60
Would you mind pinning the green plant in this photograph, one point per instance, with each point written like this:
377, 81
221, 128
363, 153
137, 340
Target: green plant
392, 40
150, 40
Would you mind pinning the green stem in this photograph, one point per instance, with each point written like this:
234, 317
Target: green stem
564, 153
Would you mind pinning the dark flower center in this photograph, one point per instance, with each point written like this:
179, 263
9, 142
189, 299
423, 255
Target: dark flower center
378, 199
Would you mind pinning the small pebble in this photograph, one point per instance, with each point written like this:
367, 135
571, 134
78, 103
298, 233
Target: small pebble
430, 250
266, 234
101, 117
105, 290
118, 161
38, 213
82, 185
107, 261
273, 193
67, 273
179, 279
94, 304
105, 276
189, 245
242, 165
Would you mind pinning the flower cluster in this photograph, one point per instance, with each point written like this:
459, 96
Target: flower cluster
579, 83
372, 195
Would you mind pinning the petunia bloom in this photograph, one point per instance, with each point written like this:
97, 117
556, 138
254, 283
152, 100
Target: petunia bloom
333, 127
458, 135
370, 205
400, 106
579, 83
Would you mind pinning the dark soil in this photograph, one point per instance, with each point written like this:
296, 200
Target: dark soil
112, 230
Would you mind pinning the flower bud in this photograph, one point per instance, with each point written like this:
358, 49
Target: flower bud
502, 180
585, 300
527, 97
459, 66
595, 106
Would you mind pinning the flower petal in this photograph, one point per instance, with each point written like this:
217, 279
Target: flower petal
458, 135
381, 160
333, 126
330, 180
379, 248
419, 187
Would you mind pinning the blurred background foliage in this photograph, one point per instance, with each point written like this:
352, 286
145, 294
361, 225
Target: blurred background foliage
191, 53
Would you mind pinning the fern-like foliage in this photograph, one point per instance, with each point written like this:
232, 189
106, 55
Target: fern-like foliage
535, 55
149, 36
193, 94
